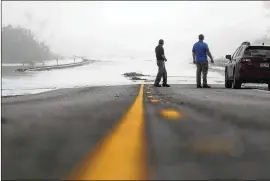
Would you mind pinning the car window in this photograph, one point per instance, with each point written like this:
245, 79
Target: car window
243, 51
239, 52
258, 51
234, 55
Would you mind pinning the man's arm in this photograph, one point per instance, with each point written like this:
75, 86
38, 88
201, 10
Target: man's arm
210, 55
163, 55
193, 55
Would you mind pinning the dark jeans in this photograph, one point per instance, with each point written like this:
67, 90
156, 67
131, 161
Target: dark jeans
202, 68
161, 72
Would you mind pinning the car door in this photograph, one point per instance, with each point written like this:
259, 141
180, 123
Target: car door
231, 64
237, 58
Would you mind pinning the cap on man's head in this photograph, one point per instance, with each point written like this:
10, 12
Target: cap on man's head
201, 37
161, 42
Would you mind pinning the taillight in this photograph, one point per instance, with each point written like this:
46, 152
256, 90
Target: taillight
245, 60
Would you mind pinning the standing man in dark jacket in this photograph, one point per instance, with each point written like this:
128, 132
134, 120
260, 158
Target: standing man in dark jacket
200, 51
161, 59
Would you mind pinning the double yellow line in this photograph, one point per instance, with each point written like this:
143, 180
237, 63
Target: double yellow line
122, 154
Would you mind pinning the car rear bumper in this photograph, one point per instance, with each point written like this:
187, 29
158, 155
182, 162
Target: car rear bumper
255, 76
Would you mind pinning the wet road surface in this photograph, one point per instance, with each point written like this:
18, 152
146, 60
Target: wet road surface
137, 132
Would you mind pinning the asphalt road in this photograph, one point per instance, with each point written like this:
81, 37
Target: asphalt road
137, 132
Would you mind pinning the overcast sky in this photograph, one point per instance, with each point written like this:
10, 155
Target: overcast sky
134, 28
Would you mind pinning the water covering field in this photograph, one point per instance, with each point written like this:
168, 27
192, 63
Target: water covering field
108, 71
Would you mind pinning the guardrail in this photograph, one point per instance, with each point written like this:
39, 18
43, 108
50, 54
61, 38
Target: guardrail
43, 68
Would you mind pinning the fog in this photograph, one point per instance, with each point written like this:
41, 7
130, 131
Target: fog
132, 29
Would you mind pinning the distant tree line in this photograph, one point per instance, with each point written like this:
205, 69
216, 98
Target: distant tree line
19, 45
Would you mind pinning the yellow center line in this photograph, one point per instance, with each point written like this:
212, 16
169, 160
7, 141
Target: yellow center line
150, 97
122, 154
171, 114
155, 101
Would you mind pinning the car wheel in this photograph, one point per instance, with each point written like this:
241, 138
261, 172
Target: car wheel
228, 83
236, 83
268, 86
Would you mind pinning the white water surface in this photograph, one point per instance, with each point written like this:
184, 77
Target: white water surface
107, 71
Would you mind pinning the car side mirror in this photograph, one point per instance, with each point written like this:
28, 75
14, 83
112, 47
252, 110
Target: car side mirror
229, 57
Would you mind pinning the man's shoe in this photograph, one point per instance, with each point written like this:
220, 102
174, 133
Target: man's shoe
157, 85
206, 86
199, 86
166, 85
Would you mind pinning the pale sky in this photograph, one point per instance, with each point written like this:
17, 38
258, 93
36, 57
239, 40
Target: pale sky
133, 28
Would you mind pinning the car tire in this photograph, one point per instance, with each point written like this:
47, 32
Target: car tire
269, 86
228, 83
236, 83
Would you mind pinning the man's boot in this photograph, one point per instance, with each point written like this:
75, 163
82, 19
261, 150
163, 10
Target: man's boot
206, 86
166, 85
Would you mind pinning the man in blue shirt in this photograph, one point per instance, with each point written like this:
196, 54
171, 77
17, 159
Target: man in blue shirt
200, 51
